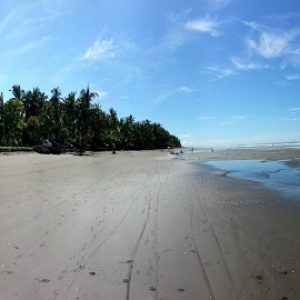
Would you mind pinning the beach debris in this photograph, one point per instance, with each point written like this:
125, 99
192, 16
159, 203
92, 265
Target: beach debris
283, 272
152, 288
259, 277
9, 272
79, 268
125, 280
266, 290
92, 273
181, 290
45, 280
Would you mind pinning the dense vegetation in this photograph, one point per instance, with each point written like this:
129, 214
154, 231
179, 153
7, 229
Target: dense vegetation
31, 116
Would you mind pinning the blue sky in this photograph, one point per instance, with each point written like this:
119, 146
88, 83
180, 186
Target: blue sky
213, 72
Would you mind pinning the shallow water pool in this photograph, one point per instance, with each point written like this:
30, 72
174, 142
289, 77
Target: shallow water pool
275, 174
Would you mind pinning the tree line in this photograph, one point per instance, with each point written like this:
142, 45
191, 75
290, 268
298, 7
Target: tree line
74, 121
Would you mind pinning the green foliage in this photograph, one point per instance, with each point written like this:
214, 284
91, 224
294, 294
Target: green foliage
2, 129
33, 130
13, 121
30, 116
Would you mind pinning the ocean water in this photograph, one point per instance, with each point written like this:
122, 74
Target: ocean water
274, 174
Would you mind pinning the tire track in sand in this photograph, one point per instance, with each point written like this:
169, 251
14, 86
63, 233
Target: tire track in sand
217, 242
207, 281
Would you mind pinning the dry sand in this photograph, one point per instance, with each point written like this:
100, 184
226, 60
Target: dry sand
139, 226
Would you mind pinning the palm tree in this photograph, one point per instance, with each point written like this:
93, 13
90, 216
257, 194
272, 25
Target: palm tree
85, 102
70, 115
17, 92
126, 130
113, 128
55, 113
33, 102
14, 123
98, 123
2, 124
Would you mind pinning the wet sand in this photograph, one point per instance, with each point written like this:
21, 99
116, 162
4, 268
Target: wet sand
139, 225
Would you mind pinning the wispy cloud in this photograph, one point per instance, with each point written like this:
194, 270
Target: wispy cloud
247, 66
270, 45
25, 19
270, 42
204, 118
186, 135
218, 4
236, 66
174, 36
290, 119
292, 77
35, 44
220, 72
161, 98
101, 49
102, 94
288, 80
284, 16
204, 25
168, 94
185, 89
294, 110
233, 121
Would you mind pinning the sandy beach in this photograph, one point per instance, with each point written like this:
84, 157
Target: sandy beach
141, 225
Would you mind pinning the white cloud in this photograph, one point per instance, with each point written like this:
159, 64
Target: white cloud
101, 94
251, 24
161, 98
35, 44
101, 49
274, 43
205, 25
292, 77
28, 18
220, 72
294, 109
236, 66
204, 118
173, 39
246, 66
185, 89
270, 45
175, 35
